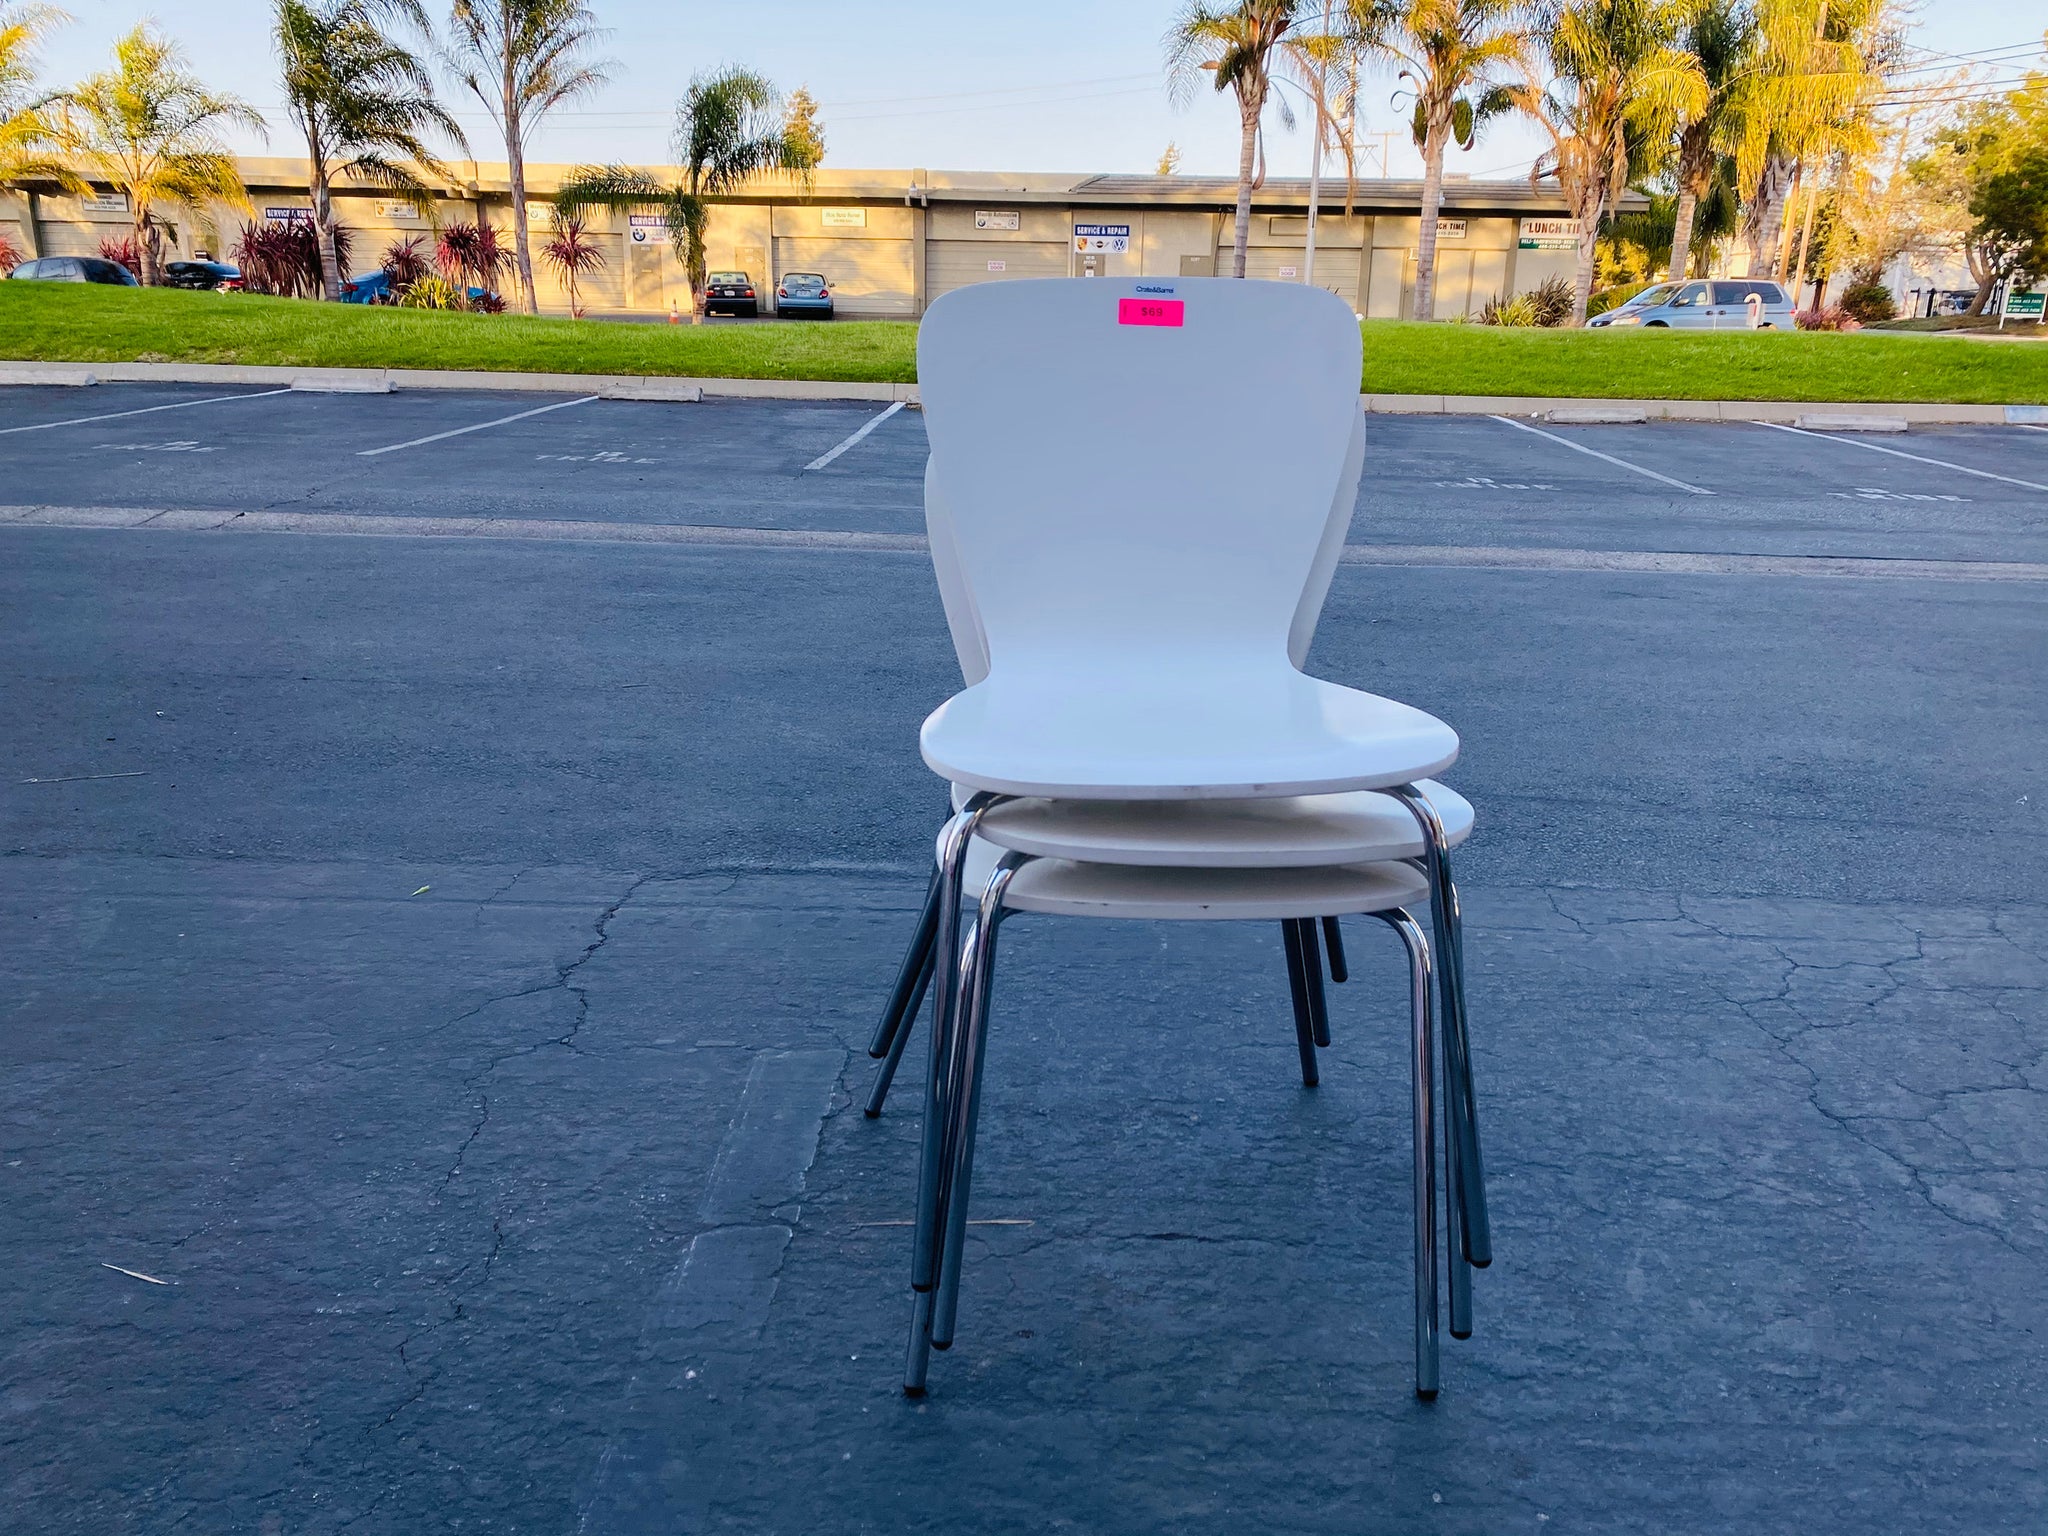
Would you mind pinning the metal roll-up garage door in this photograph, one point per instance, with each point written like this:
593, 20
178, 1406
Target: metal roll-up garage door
951, 264
1336, 266
868, 277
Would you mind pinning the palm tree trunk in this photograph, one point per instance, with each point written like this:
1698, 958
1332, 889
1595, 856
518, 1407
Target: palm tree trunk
1784, 258
1767, 217
1589, 245
1806, 246
1247, 156
515, 164
1681, 235
1433, 143
144, 255
323, 220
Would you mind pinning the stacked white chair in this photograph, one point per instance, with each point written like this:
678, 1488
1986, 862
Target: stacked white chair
1137, 495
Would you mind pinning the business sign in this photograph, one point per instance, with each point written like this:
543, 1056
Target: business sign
844, 218
1091, 238
995, 218
1290, 271
1454, 229
999, 266
104, 202
2025, 306
289, 215
643, 228
407, 211
1549, 235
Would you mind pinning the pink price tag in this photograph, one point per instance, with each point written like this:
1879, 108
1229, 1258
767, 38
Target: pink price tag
1149, 311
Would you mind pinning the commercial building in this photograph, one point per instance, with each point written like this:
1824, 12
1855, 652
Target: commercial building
890, 242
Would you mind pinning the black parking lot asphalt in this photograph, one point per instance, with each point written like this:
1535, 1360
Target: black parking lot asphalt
437, 970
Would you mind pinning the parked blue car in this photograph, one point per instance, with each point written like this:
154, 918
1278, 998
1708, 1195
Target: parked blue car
369, 288
803, 293
1723, 304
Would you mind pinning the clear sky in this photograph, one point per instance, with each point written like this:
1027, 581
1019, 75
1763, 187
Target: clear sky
1026, 85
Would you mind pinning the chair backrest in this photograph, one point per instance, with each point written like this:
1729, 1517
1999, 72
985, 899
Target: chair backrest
963, 619
1140, 469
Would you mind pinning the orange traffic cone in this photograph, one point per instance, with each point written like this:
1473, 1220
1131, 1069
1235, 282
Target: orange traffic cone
673, 317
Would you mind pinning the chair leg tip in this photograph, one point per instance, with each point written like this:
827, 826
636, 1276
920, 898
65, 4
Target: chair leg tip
1427, 1394
1465, 1335
945, 1346
913, 1392
1485, 1263
872, 1114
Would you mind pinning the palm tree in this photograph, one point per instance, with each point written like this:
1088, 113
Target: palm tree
1618, 81
28, 134
522, 59
148, 127
572, 254
1808, 94
1235, 44
1721, 35
727, 130
1453, 54
364, 103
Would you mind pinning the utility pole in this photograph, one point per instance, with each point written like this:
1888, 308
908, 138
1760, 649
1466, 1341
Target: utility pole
1315, 163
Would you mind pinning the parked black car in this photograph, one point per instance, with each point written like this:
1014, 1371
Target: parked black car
76, 269
214, 276
731, 293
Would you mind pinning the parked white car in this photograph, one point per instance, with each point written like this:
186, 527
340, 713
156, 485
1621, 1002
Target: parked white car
1724, 304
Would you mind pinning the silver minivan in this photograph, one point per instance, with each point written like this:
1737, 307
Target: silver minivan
1722, 304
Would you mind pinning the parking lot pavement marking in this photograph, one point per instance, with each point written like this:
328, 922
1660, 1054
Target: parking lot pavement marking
1523, 426
826, 458
435, 437
1899, 453
175, 405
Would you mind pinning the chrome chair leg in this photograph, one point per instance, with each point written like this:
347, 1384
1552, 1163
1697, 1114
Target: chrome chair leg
906, 1026
1333, 941
923, 1301
911, 975
1423, 1066
1312, 972
977, 983
952, 858
1297, 984
1474, 1231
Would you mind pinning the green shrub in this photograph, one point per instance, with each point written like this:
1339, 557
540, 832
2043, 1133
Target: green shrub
1867, 302
1609, 298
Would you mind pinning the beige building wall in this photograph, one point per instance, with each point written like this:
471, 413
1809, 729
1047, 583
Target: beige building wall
890, 242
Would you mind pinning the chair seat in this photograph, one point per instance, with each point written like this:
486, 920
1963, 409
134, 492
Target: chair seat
1067, 888
1357, 827
1071, 735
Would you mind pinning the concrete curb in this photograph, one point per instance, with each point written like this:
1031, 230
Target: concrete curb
683, 389
1786, 411
382, 380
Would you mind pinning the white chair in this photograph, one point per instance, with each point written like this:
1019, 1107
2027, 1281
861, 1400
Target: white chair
1142, 629
1357, 827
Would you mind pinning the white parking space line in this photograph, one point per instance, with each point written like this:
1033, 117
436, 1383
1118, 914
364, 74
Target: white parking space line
175, 405
1897, 453
2024, 427
826, 458
435, 437
1523, 426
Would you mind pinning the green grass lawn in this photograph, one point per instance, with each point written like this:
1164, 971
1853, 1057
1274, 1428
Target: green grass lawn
50, 322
